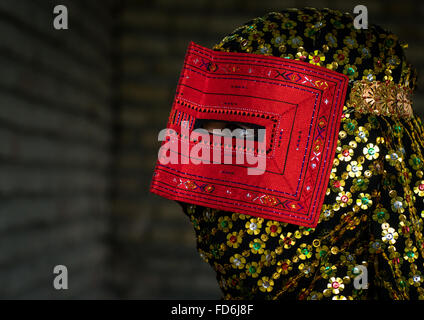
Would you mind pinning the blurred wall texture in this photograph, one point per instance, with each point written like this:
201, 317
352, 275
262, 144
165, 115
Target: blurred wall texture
55, 157
80, 110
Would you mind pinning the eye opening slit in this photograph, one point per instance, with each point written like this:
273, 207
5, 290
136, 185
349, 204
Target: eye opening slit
240, 130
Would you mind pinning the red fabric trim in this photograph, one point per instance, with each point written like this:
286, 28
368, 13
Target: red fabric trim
299, 104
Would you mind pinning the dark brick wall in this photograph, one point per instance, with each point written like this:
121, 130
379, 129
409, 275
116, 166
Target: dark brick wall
55, 119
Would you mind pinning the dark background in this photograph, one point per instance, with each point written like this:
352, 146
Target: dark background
80, 111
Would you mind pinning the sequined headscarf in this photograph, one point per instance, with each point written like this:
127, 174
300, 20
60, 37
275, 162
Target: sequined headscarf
326, 38
374, 205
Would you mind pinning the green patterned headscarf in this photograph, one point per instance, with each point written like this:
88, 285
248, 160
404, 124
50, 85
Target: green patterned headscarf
374, 206
326, 38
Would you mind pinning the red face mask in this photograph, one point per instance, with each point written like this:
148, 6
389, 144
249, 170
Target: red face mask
284, 117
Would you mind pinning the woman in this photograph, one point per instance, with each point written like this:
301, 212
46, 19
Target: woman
368, 242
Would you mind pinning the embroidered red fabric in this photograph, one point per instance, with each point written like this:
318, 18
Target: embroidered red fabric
299, 105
